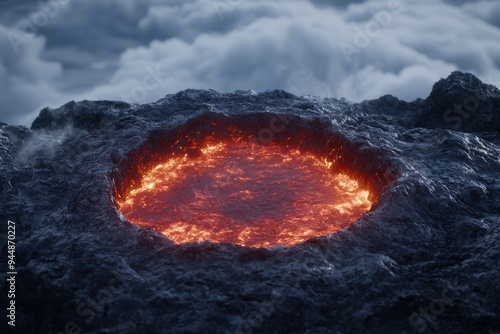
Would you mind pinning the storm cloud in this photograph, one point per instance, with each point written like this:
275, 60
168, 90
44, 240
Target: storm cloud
54, 51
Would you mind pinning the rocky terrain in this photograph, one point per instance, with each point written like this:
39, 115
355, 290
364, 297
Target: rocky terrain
424, 259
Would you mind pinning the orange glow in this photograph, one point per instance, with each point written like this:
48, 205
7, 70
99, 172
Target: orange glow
246, 194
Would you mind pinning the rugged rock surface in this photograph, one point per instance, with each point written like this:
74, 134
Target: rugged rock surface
426, 258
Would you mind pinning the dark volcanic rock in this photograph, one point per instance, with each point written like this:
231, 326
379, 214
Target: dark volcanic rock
462, 102
426, 258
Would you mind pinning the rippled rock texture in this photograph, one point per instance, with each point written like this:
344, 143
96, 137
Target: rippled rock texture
425, 258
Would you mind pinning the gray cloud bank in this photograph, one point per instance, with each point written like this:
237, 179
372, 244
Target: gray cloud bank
53, 51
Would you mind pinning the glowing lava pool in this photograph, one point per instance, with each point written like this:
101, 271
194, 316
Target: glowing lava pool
246, 194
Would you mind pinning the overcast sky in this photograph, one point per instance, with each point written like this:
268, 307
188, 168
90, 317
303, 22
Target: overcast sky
53, 51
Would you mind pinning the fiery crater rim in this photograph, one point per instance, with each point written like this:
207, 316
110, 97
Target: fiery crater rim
218, 179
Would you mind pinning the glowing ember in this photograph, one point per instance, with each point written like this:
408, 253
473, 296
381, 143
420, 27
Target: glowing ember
246, 194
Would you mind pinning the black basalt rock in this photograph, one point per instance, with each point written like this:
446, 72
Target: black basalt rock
84, 115
461, 102
424, 258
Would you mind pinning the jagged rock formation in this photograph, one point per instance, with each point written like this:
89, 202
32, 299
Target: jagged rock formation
425, 258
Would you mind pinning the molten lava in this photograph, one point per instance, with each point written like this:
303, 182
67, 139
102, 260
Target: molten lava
246, 194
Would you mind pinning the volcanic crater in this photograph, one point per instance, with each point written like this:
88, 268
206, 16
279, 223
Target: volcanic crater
229, 213
256, 180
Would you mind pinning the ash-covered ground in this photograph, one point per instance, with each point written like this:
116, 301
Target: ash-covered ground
424, 259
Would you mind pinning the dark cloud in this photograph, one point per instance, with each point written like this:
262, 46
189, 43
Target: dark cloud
337, 3
25, 79
459, 2
489, 11
141, 50
11, 11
